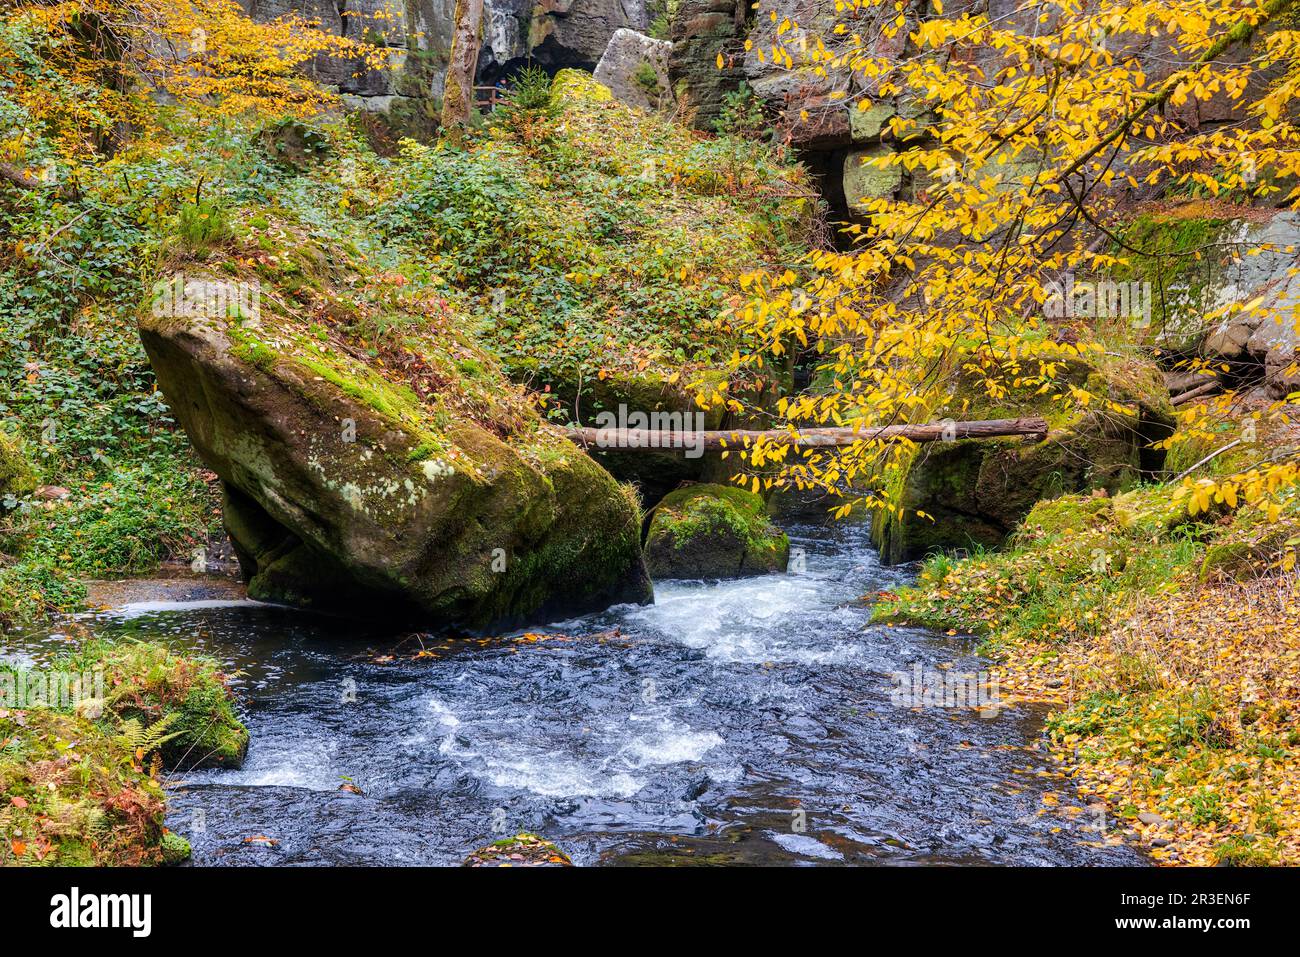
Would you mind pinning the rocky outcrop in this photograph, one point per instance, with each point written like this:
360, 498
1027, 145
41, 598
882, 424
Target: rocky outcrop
1260, 269
574, 33
1204, 263
399, 99
346, 491
702, 31
713, 531
402, 98
973, 493
832, 116
635, 68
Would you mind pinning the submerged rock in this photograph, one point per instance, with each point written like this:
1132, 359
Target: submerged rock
714, 531
437, 494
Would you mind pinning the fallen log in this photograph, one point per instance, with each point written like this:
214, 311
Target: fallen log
650, 439
1205, 388
16, 176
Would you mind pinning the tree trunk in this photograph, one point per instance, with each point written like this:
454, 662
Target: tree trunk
462, 66
651, 439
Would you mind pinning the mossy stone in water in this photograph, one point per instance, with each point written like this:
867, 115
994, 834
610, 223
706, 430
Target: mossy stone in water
714, 531
175, 849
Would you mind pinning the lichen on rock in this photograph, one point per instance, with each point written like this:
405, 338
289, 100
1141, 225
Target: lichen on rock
426, 493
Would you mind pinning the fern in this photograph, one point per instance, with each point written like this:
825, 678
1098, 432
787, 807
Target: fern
140, 739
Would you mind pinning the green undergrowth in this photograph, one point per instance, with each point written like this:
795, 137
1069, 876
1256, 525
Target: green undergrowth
82, 779
1072, 563
1166, 643
595, 239
119, 520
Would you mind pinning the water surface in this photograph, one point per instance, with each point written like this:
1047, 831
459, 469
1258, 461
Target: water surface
736, 722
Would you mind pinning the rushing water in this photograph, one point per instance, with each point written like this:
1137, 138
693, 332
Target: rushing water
746, 722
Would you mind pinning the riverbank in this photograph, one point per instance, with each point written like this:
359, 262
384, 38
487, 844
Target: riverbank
1166, 643
84, 738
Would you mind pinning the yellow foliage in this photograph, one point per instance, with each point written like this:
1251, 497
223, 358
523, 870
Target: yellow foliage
1010, 186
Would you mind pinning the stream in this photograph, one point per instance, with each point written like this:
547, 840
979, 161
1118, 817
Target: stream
745, 722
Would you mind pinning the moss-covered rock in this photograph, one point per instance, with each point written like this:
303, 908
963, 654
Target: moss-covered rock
434, 493
974, 492
17, 477
149, 683
714, 531
1251, 548
175, 849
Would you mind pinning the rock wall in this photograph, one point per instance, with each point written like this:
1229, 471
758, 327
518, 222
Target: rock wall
405, 95
702, 31
820, 115
1265, 336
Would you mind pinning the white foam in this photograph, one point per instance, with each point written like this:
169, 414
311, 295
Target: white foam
137, 608
748, 621
806, 846
669, 748
297, 764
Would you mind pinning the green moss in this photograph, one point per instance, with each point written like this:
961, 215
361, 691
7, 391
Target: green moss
175, 849
17, 476
713, 531
1181, 277
578, 86
256, 354
129, 522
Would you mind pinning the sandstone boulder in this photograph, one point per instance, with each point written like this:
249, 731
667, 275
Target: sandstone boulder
635, 68
428, 495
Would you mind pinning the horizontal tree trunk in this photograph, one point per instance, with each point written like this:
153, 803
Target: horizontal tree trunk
651, 439
1204, 388
16, 176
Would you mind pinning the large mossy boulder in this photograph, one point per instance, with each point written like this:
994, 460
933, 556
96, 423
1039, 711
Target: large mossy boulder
714, 531
973, 493
17, 477
378, 475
